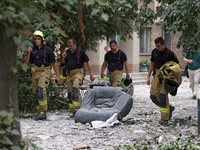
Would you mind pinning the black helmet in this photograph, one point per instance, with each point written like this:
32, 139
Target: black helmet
170, 85
127, 85
126, 82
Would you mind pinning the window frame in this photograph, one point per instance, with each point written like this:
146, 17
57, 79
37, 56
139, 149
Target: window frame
164, 37
145, 41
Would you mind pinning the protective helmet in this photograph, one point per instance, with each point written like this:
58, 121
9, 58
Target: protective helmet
170, 85
39, 33
126, 82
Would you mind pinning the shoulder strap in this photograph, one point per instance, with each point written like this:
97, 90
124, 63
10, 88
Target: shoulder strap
45, 55
155, 53
78, 59
167, 53
118, 60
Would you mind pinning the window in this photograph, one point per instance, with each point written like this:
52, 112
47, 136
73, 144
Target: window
168, 39
145, 41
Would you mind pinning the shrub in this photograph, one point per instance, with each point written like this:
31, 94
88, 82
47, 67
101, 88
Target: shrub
144, 63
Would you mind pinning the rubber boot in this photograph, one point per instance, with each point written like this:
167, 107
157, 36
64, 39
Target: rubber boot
171, 108
41, 116
163, 122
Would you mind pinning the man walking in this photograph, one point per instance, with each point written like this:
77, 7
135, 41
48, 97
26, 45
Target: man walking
115, 60
158, 94
41, 56
74, 59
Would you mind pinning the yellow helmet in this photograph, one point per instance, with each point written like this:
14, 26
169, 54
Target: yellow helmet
39, 33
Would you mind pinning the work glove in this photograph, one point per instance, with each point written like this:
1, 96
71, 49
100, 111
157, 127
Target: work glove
174, 92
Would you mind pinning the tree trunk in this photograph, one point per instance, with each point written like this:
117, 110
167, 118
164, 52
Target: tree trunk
8, 88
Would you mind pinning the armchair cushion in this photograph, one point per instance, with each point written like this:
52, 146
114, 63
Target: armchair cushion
100, 103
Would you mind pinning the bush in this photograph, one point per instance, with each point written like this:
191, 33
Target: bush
144, 63
178, 144
24, 90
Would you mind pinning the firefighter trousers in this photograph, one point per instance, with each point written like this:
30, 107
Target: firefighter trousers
40, 81
62, 72
115, 77
74, 81
159, 96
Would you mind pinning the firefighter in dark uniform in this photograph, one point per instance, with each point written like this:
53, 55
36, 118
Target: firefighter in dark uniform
41, 56
74, 59
159, 96
115, 59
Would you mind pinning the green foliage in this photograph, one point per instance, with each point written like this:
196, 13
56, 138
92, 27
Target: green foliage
182, 16
178, 144
27, 144
144, 63
8, 125
55, 94
141, 145
103, 79
7, 129
24, 88
58, 20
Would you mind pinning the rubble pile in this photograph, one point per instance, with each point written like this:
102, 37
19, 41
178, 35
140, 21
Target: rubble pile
62, 133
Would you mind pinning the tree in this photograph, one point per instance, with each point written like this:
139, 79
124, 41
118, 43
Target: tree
8, 89
181, 16
14, 16
101, 20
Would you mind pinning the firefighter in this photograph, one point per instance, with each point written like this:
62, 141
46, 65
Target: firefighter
41, 56
74, 59
158, 94
115, 58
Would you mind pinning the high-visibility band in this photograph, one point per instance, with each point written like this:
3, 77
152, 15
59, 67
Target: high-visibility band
43, 103
71, 114
37, 107
58, 63
70, 105
61, 76
164, 110
163, 74
77, 103
175, 66
165, 71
